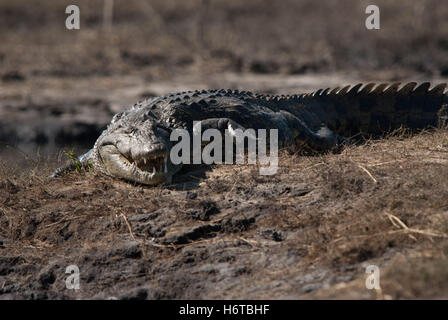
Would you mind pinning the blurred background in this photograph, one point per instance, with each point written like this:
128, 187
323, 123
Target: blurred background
59, 88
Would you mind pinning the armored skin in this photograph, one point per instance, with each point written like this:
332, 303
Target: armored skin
136, 144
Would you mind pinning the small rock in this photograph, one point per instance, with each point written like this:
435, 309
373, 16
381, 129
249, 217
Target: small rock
311, 287
191, 195
47, 278
138, 294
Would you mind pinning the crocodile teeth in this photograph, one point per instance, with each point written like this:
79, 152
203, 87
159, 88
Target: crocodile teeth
158, 164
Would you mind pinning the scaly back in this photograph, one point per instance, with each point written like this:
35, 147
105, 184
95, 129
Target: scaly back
377, 109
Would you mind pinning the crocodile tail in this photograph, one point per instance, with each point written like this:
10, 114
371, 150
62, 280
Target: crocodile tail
80, 162
377, 109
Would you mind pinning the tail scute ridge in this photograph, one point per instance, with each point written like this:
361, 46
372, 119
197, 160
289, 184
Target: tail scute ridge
344, 90
355, 89
422, 89
407, 88
367, 88
438, 89
393, 89
379, 88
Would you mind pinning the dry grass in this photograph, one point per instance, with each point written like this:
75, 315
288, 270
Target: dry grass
366, 205
213, 36
310, 229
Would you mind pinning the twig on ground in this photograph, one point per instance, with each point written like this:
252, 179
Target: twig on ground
368, 173
128, 225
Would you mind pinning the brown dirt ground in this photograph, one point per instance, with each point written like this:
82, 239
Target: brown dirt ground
227, 232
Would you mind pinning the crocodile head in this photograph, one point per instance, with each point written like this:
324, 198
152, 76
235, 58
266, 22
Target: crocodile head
136, 152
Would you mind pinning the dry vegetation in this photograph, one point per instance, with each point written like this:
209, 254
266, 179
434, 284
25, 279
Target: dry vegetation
307, 232
161, 37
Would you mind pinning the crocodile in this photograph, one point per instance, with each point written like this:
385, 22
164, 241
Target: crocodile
136, 144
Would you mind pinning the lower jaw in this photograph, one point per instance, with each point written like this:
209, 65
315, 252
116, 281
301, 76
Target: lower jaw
156, 179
